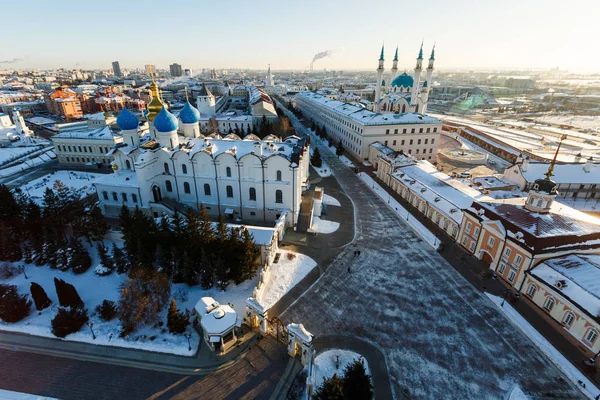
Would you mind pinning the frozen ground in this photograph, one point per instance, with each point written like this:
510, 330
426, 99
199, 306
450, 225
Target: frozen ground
79, 181
94, 289
8, 395
323, 226
569, 369
8, 154
27, 164
347, 162
325, 364
441, 338
285, 275
323, 171
330, 200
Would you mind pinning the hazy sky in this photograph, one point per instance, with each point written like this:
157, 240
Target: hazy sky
470, 34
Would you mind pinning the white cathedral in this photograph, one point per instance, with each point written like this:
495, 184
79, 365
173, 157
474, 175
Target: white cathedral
175, 167
403, 93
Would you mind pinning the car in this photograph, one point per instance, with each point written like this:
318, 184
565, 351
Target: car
491, 162
465, 174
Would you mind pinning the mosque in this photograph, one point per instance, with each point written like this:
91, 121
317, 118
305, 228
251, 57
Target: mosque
403, 93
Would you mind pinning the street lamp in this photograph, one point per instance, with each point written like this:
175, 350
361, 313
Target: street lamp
188, 336
592, 361
504, 299
91, 325
22, 269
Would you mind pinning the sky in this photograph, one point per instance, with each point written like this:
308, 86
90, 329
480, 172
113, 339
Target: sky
469, 34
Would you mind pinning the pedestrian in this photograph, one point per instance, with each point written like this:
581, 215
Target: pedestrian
349, 269
358, 253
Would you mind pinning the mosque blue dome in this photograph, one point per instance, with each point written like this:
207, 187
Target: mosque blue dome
165, 121
127, 120
404, 80
188, 114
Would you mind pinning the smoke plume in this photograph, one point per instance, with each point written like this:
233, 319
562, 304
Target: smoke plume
326, 53
13, 61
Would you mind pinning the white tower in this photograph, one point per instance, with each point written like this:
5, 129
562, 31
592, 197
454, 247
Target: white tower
270, 77
427, 83
415, 88
20, 126
394, 69
206, 102
378, 83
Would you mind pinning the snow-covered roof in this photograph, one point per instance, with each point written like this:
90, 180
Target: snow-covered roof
126, 178
219, 320
580, 276
365, 117
103, 133
563, 173
300, 331
237, 148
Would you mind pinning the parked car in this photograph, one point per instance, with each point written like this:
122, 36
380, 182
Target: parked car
465, 174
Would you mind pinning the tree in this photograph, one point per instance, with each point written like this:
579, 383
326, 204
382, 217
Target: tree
119, 258
248, 258
67, 294
40, 298
9, 246
142, 296
105, 260
98, 227
330, 389
13, 306
79, 258
107, 310
340, 149
69, 320
357, 383
177, 321
324, 132
315, 160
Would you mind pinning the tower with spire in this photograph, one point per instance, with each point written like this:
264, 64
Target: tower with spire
426, 85
269, 81
417, 80
205, 101
154, 107
380, 70
394, 69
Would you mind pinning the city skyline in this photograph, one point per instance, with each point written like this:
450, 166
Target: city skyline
288, 36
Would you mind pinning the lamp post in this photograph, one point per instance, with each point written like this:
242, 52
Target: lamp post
592, 361
504, 298
188, 336
91, 325
22, 269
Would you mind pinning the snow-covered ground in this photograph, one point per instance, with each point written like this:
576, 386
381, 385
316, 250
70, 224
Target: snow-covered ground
414, 223
27, 164
323, 226
346, 161
331, 201
79, 181
8, 395
517, 394
8, 154
323, 171
94, 289
540, 341
285, 275
327, 361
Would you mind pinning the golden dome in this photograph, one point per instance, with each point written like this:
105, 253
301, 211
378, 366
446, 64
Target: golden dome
156, 104
115, 167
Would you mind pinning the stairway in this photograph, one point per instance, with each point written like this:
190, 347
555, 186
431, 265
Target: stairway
306, 210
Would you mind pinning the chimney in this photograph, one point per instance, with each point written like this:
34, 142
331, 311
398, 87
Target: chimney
258, 148
525, 164
587, 167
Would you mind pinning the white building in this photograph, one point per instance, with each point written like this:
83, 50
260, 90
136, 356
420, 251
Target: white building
13, 132
245, 179
356, 127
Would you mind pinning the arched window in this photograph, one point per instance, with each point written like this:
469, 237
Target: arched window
166, 168
279, 197
105, 195
228, 171
531, 290
229, 191
206, 189
568, 319
591, 336
128, 164
539, 203
114, 196
134, 198
549, 304
124, 196
169, 186
252, 194
184, 168
186, 187
278, 175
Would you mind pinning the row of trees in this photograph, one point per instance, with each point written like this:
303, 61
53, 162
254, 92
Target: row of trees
322, 133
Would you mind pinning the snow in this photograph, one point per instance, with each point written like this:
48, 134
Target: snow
285, 275
331, 201
322, 226
550, 351
219, 320
93, 289
81, 182
347, 162
323, 171
28, 163
8, 154
414, 223
325, 364
9, 395
517, 394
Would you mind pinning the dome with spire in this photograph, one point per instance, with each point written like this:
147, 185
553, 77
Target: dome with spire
189, 114
403, 80
545, 185
165, 121
127, 120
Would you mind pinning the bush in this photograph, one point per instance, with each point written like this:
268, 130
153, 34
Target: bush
67, 294
107, 310
290, 256
13, 306
40, 298
69, 320
8, 271
177, 322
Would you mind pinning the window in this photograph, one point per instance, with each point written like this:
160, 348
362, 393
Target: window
472, 246
184, 168
501, 268
539, 203
252, 192
476, 231
491, 241
412, 130
169, 186
394, 143
531, 290
105, 195
433, 140
279, 197
568, 319
90, 147
228, 171
186, 187
386, 142
417, 151
419, 141
549, 304
402, 143
421, 130
206, 189
124, 196
464, 241
468, 226
395, 131
507, 252
411, 141
512, 275
128, 164
428, 129
134, 198
403, 130
387, 131
279, 174
166, 168
114, 196
518, 259
427, 140
229, 191
591, 336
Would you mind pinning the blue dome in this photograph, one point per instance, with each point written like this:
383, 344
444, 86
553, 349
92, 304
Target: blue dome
165, 121
404, 80
127, 120
188, 114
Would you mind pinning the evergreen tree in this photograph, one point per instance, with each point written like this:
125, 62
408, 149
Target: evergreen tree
69, 320
120, 260
324, 132
13, 306
40, 298
248, 258
357, 383
340, 149
98, 227
312, 125
220, 262
330, 389
10, 249
105, 259
177, 322
206, 273
107, 310
79, 258
67, 294
315, 160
